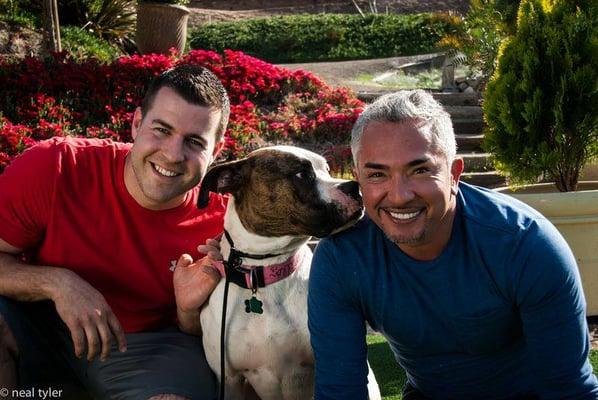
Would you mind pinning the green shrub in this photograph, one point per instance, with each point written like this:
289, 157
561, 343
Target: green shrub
112, 20
480, 33
303, 38
541, 105
82, 44
20, 12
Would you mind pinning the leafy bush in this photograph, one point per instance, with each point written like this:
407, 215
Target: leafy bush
541, 106
59, 96
326, 36
21, 12
480, 33
82, 44
111, 20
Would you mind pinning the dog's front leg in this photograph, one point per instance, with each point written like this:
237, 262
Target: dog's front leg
249, 393
234, 388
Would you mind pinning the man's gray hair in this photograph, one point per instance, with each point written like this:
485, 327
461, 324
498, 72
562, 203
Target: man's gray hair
409, 106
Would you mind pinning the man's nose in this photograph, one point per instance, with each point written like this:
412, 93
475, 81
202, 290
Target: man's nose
172, 149
400, 191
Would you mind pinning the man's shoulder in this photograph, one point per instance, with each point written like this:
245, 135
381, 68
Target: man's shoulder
68, 148
84, 145
495, 211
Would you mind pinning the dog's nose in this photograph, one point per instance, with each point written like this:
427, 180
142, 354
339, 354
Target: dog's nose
350, 188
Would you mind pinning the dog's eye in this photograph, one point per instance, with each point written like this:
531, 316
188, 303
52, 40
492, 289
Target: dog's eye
304, 175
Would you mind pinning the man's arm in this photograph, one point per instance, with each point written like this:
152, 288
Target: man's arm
337, 330
550, 298
83, 309
26, 197
24, 282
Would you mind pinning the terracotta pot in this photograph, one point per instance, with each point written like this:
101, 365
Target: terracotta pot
575, 215
161, 27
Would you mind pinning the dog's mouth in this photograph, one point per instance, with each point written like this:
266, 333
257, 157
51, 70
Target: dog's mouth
352, 220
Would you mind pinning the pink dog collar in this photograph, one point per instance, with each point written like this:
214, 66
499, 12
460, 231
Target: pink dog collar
266, 274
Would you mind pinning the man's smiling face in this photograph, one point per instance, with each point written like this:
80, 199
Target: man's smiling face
174, 144
408, 189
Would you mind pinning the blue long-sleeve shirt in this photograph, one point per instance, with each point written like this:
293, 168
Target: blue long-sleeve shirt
500, 314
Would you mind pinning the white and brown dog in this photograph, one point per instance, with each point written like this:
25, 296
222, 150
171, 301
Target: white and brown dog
280, 197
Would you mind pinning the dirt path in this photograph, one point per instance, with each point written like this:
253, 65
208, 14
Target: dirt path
344, 73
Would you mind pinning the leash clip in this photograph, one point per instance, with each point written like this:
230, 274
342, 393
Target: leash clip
234, 260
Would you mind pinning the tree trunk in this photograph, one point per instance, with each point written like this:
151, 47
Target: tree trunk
51, 26
567, 180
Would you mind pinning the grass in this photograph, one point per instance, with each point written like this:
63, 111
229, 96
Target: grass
399, 80
390, 375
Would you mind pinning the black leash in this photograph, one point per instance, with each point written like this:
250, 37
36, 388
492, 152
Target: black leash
234, 262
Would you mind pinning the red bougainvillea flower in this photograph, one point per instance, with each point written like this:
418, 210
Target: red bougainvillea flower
59, 96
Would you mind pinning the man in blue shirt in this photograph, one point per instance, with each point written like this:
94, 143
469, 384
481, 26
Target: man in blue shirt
478, 295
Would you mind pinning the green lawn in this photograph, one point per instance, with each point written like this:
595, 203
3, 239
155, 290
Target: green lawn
391, 377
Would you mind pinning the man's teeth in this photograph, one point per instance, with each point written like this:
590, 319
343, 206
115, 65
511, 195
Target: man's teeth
404, 216
163, 171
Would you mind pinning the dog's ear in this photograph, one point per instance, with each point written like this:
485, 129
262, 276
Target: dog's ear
221, 178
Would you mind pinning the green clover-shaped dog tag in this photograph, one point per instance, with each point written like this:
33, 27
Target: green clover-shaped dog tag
254, 305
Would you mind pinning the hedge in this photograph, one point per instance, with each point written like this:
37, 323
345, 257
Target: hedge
327, 37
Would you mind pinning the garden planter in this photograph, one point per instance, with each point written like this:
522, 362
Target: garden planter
590, 172
161, 27
575, 214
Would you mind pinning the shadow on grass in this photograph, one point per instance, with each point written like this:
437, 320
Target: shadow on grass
389, 374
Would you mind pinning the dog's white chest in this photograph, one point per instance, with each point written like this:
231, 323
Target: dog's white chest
269, 348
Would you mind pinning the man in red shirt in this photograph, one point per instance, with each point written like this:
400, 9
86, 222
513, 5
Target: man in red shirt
91, 234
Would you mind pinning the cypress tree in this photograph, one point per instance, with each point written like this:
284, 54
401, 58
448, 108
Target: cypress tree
541, 105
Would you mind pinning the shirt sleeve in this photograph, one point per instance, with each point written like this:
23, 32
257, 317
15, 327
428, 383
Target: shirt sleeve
337, 329
552, 306
26, 196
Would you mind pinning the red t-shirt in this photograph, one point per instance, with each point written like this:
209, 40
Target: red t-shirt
65, 201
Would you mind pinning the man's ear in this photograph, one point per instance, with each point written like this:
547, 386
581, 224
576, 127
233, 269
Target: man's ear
456, 171
217, 148
355, 173
222, 178
136, 125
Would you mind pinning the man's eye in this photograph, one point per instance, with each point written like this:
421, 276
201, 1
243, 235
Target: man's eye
421, 170
375, 175
161, 130
195, 143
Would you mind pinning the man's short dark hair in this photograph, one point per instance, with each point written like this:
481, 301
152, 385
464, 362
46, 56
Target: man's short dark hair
195, 84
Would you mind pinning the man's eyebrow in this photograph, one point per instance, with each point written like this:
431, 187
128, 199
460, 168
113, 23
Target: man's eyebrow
410, 164
163, 123
372, 165
418, 161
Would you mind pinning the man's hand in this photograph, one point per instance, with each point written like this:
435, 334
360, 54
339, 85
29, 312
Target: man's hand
194, 282
211, 248
88, 316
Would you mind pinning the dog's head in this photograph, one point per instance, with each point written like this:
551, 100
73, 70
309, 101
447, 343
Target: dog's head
285, 190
